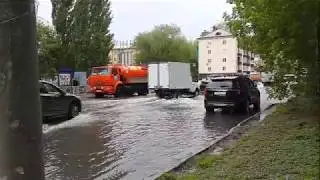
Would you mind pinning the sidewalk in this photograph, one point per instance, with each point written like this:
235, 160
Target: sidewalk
285, 145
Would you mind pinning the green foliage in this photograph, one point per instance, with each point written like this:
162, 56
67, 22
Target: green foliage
49, 48
167, 176
285, 34
166, 43
207, 161
83, 27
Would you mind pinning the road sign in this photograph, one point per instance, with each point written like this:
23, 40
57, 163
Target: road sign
64, 79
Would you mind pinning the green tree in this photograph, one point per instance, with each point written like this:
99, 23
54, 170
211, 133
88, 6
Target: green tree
166, 43
285, 34
49, 49
83, 26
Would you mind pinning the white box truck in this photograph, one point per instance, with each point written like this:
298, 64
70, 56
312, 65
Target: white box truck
171, 79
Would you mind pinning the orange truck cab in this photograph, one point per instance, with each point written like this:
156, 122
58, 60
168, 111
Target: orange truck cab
118, 80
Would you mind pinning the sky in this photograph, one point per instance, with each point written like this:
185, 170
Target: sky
131, 17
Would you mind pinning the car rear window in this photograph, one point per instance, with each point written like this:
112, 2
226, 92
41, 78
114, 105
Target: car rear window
100, 71
222, 84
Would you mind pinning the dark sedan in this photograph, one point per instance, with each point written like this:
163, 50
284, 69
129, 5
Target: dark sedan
56, 103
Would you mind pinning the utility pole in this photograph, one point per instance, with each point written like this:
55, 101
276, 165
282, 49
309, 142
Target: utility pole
20, 121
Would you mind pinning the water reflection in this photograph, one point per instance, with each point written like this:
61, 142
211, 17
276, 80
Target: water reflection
81, 153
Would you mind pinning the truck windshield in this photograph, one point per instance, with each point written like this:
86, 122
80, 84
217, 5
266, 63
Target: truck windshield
100, 71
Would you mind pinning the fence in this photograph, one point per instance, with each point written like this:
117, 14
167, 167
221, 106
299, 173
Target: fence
69, 89
74, 89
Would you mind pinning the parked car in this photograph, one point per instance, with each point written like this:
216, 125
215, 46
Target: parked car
195, 89
57, 103
237, 92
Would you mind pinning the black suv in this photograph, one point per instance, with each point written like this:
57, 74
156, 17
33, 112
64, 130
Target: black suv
237, 92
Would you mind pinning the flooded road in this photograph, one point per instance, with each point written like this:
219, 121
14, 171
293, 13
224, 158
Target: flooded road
134, 138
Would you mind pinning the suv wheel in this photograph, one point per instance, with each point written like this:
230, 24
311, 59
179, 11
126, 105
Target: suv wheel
246, 106
256, 106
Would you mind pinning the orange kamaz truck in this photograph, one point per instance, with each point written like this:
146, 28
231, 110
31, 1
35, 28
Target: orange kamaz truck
118, 80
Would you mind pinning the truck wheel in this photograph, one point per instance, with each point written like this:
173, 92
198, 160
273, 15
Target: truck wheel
143, 93
99, 95
119, 91
209, 109
160, 94
176, 95
196, 93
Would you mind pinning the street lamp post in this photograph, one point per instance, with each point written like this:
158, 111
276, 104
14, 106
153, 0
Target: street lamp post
20, 120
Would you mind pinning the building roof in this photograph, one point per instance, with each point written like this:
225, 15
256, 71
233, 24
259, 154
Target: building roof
217, 33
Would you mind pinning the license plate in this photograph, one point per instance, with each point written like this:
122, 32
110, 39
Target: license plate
98, 90
220, 93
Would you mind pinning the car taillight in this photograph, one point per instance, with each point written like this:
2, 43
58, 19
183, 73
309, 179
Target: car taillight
205, 91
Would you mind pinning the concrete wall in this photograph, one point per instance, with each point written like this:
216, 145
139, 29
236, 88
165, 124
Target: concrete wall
224, 55
125, 56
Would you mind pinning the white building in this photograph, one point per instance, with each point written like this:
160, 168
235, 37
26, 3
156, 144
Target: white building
218, 53
123, 52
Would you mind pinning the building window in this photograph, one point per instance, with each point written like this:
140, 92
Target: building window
209, 69
224, 41
224, 59
209, 60
209, 51
223, 68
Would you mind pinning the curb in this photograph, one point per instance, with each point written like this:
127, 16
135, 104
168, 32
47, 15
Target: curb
180, 165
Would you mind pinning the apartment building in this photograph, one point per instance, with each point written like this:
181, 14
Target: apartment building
123, 52
218, 53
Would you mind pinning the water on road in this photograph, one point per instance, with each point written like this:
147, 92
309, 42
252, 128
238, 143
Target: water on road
134, 138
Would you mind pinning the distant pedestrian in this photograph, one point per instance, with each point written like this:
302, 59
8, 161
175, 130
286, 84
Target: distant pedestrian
75, 82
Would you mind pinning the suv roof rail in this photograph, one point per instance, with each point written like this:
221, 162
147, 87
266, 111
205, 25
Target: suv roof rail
227, 75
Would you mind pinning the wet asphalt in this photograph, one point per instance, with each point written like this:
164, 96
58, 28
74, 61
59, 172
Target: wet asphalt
132, 138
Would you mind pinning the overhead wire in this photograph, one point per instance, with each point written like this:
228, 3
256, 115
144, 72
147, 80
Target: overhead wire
14, 18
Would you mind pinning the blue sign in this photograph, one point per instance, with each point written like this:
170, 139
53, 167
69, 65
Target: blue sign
66, 71
65, 76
